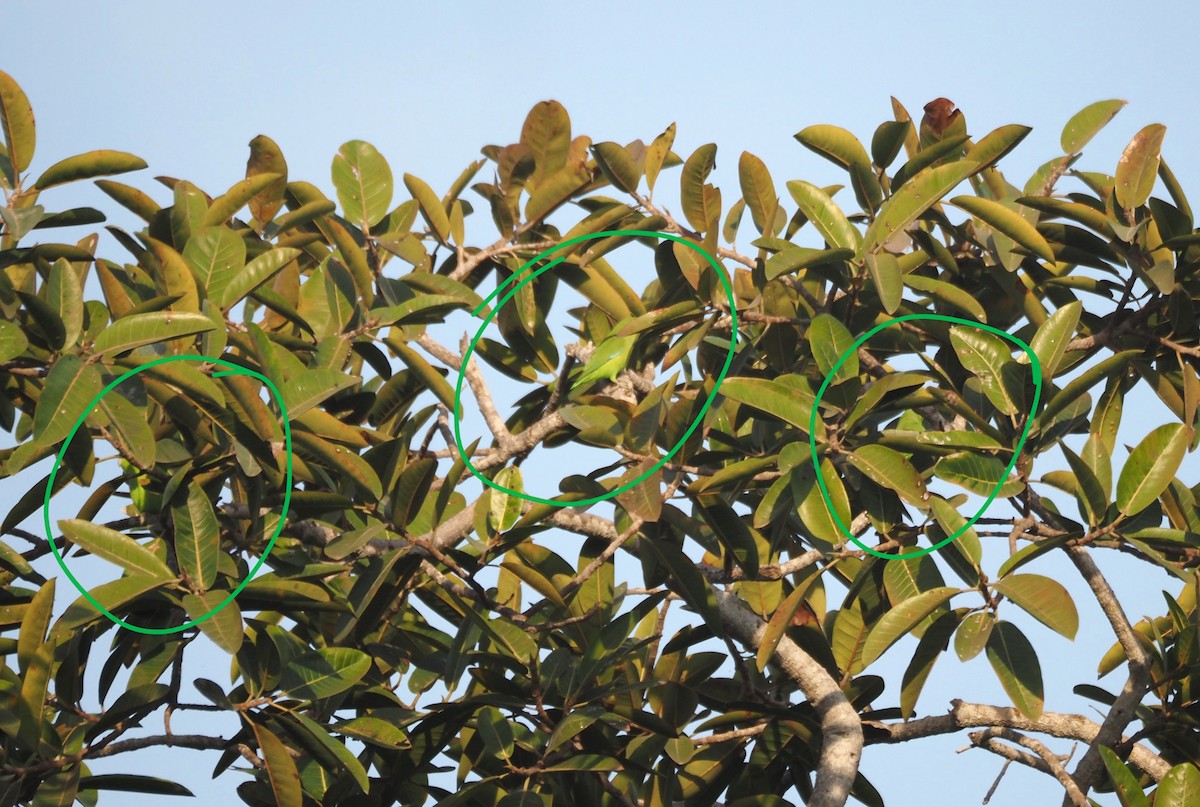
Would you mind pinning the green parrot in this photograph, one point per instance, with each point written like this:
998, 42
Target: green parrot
610, 357
143, 500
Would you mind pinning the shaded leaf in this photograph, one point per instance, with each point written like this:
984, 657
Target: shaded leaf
1016, 665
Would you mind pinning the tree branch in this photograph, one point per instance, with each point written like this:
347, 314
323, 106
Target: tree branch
1124, 709
841, 728
964, 715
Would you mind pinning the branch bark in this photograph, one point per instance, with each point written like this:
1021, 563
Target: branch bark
841, 727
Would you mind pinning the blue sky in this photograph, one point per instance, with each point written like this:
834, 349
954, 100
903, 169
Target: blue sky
186, 87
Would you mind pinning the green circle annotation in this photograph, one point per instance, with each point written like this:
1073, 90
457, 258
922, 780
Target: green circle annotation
1035, 369
232, 369
725, 282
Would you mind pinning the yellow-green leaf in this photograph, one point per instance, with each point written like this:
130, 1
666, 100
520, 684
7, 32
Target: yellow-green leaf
90, 164
70, 386
363, 181
197, 538
916, 196
825, 215
1008, 222
901, 619
115, 547
1138, 167
1044, 598
136, 330
431, 207
1151, 467
1086, 123
16, 118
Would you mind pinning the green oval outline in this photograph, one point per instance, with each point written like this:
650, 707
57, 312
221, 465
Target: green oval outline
1036, 369
234, 369
725, 282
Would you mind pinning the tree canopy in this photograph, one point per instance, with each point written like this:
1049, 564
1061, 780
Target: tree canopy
787, 498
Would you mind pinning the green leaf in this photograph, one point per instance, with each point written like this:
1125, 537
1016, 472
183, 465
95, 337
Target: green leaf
70, 386
375, 731
324, 672
302, 392
1050, 342
1007, 221
281, 768
111, 595
691, 185
940, 290
224, 627
128, 428
34, 624
133, 783
694, 587
1124, 782
130, 198
88, 165
197, 538
1016, 665
65, 295
830, 340
33, 688
657, 153
888, 279
977, 473
617, 165
496, 732
573, 722
342, 759
985, 355
758, 190
1151, 467
345, 462
136, 330
835, 144
929, 650
16, 118
1044, 598
257, 272
363, 182
1179, 788
1079, 385
1087, 123
237, 197
266, 158
217, 255
429, 376
115, 547
431, 207
825, 215
814, 512
891, 469
772, 398
901, 619
997, 143
972, 635
888, 140
1092, 497
966, 544
916, 196
505, 509
781, 620
1137, 169
12, 341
